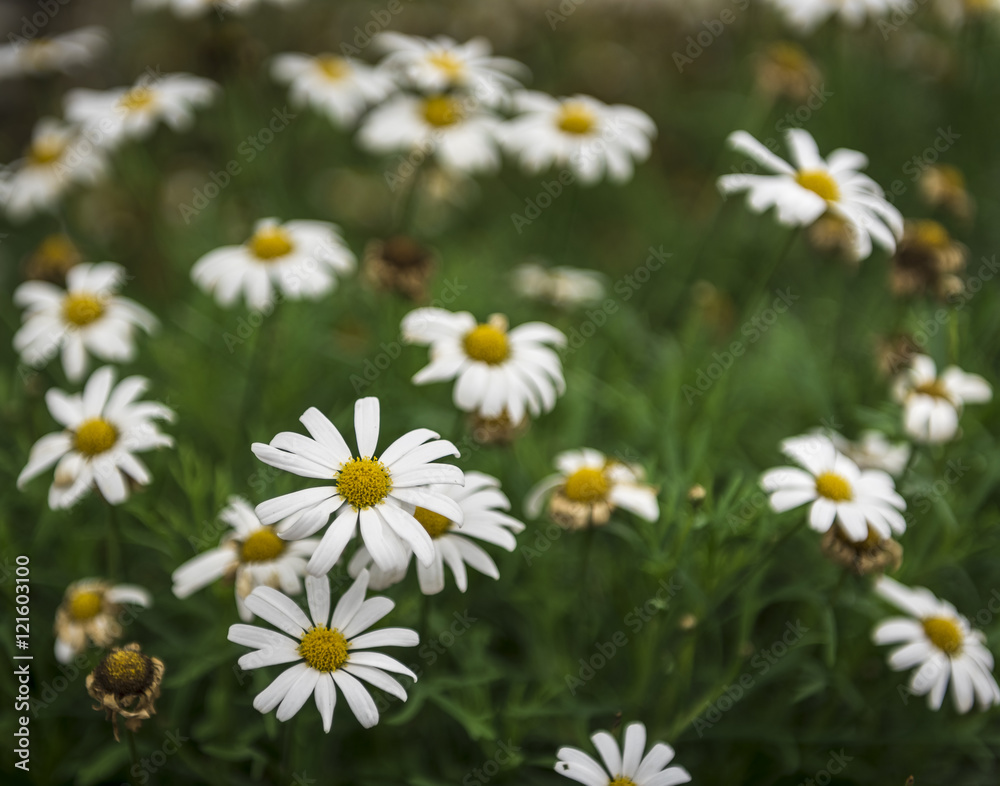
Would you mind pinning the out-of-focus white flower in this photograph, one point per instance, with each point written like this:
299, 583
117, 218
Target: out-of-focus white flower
960, 12
564, 287
339, 87
44, 54
932, 404
91, 613
56, 159
873, 451
807, 15
188, 9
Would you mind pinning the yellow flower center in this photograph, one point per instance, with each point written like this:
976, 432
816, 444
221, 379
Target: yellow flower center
621, 780
952, 176
445, 61
85, 604
124, 672
587, 485
821, 183
789, 56
136, 98
262, 546
82, 308
931, 233
95, 436
324, 649
58, 249
576, 117
442, 111
46, 150
332, 67
833, 486
435, 524
486, 343
270, 242
944, 634
363, 482
935, 389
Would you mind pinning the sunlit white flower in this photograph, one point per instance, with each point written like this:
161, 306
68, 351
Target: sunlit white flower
564, 287
931, 403
803, 193
622, 766
55, 160
87, 318
807, 15
440, 64
188, 9
459, 131
251, 554
588, 488
43, 54
873, 451
93, 612
496, 370
483, 506
330, 652
837, 490
580, 133
377, 492
339, 87
299, 259
109, 117
104, 428
940, 641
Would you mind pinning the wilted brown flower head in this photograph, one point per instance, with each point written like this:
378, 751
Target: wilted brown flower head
875, 554
126, 683
399, 264
927, 261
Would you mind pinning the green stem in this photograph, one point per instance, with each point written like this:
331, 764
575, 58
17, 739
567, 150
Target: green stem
115, 569
133, 754
767, 271
409, 207
288, 751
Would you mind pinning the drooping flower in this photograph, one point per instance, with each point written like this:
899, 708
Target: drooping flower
932, 404
126, 683
45, 54
330, 652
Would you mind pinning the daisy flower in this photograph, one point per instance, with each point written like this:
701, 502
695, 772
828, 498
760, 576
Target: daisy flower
563, 287
622, 767
807, 15
940, 640
52, 164
104, 428
482, 505
250, 553
339, 87
588, 488
457, 129
496, 370
803, 193
581, 133
299, 259
440, 64
376, 492
327, 650
91, 613
932, 404
87, 318
113, 116
837, 490
188, 9
44, 54
873, 451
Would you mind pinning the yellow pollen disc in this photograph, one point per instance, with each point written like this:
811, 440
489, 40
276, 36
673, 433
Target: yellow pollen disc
136, 98
262, 546
125, 671
935, 389
270, 243
324, 649
46, 151
576, 118
85, 604
621, 780
952, 176
442, 111
821, 183
452, 67
57, 249
435, 524
789, 56
944, 634
486, 343
587, 485
82, 308
363, 482
833, 486
332, 67
95, 436
931, 233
